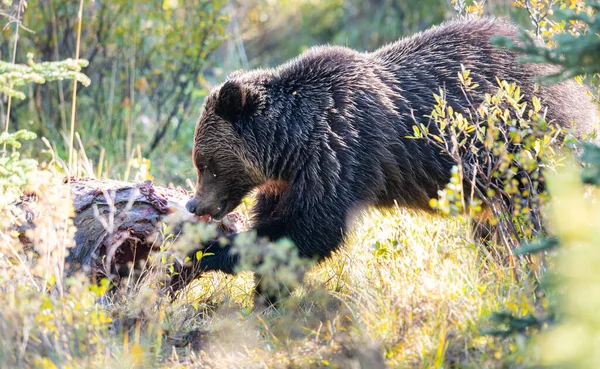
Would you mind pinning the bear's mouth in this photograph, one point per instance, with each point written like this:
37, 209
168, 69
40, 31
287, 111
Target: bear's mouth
225, 208
219, 216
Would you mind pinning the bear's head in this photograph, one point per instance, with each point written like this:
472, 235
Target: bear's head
226, 162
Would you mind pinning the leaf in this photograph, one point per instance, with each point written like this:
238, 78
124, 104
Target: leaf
541, 245
591, 157
437, 138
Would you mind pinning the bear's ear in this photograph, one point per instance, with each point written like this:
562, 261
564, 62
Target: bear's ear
236, 101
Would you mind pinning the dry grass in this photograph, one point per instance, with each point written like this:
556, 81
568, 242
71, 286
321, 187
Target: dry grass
407, 291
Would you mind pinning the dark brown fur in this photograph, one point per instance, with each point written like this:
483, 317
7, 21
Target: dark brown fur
333, 125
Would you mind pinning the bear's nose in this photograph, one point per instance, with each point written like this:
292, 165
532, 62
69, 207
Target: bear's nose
192, 205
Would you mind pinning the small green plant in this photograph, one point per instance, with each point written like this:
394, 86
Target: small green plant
13, 76
278, 267
500, 147
564, 323
13, 168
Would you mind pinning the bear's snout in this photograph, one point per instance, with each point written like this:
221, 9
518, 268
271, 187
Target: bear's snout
199, 206
192, 205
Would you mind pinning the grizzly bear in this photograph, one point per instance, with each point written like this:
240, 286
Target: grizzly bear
327, 133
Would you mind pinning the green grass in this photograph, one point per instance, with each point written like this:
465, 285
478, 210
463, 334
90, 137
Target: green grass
408, 290
411, 288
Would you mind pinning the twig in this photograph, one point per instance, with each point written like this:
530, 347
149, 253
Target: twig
14, 58
74, 100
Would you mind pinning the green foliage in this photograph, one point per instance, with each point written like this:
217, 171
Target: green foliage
497, 147
45, 322
545, 244
514, 325
564, 342
147, 67
15, 75
14, 139
575, 277
14, 169
591, 159
277, 265
294, 25
451, 200
576, 53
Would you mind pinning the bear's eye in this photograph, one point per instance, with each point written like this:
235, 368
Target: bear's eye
202, 168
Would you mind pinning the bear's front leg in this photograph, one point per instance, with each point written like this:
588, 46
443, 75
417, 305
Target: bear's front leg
269, 289
214, 256
316, 232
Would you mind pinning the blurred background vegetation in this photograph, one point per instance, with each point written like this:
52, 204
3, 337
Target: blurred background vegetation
151, 63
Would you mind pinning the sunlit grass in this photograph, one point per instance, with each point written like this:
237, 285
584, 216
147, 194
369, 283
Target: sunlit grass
409, 288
